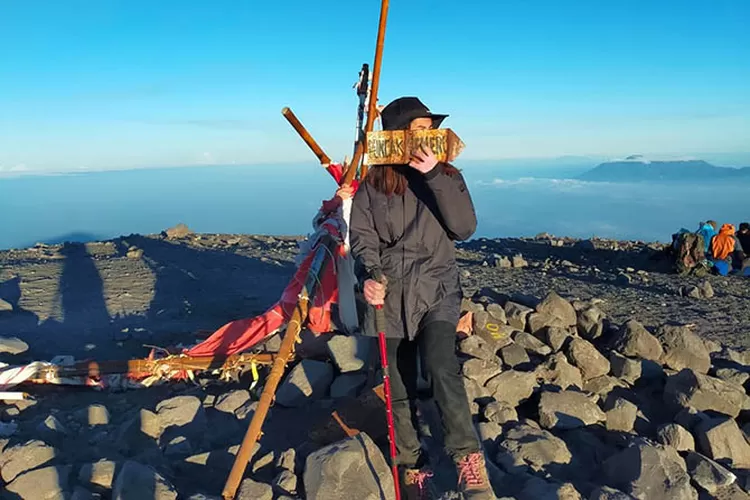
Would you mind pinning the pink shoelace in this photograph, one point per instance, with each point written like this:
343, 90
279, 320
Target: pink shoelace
419, 477
469, 470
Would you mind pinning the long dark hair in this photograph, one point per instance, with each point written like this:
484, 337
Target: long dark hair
391, 179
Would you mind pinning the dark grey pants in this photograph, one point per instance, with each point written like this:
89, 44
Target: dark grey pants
436, 342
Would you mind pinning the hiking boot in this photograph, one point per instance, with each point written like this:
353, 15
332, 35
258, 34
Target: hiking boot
473, 480
415, 483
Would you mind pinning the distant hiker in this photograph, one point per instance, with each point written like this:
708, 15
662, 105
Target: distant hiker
404, 221
707, 230
744, 236
726, 250
689, 251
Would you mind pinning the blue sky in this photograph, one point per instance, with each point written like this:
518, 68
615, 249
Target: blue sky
119, 84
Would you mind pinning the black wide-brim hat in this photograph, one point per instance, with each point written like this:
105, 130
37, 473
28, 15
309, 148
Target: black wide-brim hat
399, 114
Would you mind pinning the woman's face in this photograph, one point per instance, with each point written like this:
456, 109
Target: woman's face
421, 124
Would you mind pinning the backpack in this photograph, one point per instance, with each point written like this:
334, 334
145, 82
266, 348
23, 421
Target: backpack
689, 252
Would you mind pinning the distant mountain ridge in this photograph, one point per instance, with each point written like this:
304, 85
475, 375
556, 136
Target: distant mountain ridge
638, 169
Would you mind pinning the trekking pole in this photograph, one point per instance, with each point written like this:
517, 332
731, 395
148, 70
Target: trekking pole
380, 326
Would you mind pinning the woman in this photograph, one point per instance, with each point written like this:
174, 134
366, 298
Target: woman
403, 223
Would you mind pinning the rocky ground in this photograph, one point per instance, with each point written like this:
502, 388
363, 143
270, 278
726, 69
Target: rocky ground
592, 371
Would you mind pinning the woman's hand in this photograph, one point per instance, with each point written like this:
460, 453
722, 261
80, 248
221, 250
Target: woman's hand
423, 160
374, 292
345, 192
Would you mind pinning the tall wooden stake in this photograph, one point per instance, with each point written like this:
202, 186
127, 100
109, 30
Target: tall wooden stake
372, 108
294, 326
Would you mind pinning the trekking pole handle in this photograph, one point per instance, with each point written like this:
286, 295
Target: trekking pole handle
379, 311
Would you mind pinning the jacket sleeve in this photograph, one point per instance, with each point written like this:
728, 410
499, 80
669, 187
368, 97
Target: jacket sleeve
454, 202
364, 239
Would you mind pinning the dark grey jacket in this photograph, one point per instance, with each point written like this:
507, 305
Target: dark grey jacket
409, 239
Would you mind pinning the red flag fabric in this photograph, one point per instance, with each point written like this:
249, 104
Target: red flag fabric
241, 335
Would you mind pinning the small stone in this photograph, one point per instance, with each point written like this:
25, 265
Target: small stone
603, 385
253, 490
624, 367
607, 493
138, 482
585, 356
537, 322
635, 341
230, 402
5, 306
519, 261
347, 385
287, 460
52, 425
733, 376
97, 414
246, 411
179, 446
500, 412
722, 440
512, 386
525, 447
285, 482
514, 355
708, 474
557, 337
350, 353
537, 488
491, 328
688, 388
480, 370
568, 410
531, 343
489, 434
623, 279
621, 415
134, 253
683, 349
590, 323
24, 457
555, 306
497, 313
48, 483
13, 345
178, 231
712, 346
501, 262
558, 372
98, 474
706, 290
517, 315
181, 415
477, 347
690, 418
676, 436
647, 472
309, 380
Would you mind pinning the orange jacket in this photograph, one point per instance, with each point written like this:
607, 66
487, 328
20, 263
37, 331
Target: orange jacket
722, 244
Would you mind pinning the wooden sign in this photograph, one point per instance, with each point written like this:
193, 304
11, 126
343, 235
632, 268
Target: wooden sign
395, 147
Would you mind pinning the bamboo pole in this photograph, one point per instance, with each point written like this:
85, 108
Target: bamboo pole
294, 326
372, 107
302, 131
373, 104
147, 366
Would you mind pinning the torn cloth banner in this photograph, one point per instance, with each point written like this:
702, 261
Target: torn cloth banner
240, 335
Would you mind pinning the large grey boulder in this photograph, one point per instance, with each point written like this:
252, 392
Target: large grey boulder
351, 468
650, 472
